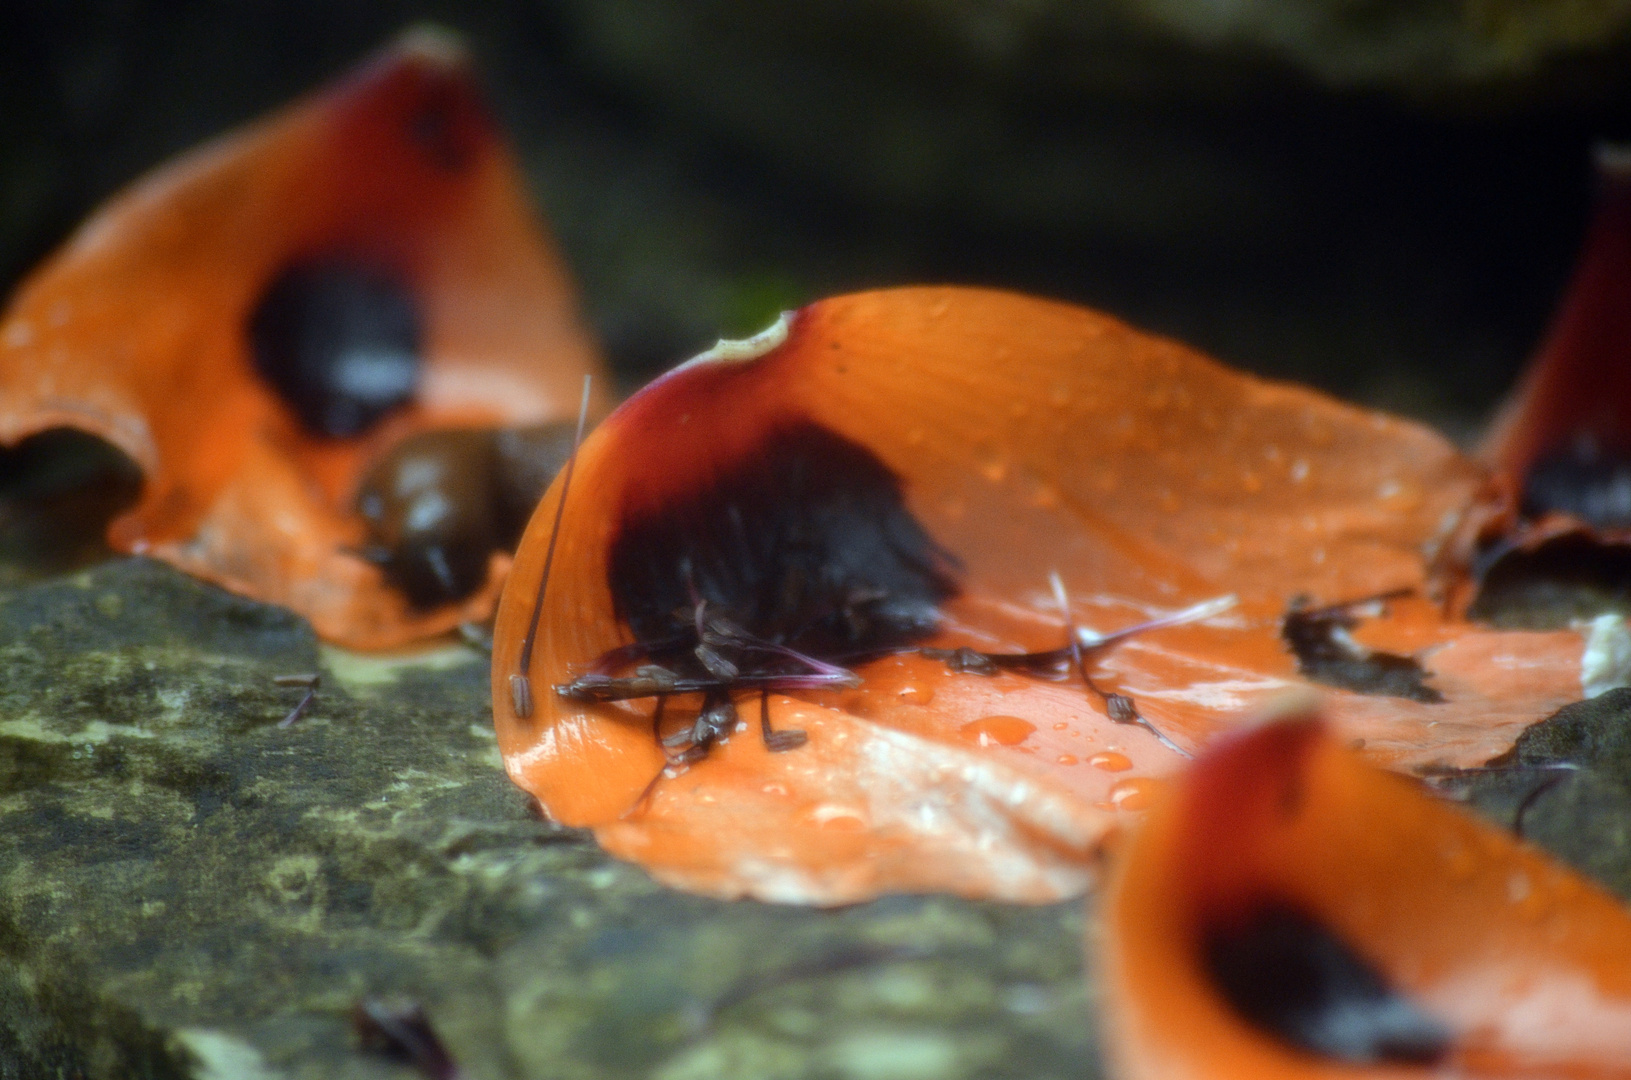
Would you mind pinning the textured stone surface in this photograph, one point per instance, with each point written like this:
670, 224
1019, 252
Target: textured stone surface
1568, 787
189, 889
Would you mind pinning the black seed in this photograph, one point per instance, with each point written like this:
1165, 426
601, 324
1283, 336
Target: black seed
340, 343
429, 506
442, 501
805, 542
527, 460
1290, 976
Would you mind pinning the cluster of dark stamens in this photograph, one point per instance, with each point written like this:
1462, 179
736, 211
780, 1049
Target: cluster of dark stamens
712, 656
716, 658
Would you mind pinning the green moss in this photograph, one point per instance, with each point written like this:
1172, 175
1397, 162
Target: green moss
189, 889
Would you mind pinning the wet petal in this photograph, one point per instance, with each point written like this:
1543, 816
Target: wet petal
1290, 911
910, 467
392, 191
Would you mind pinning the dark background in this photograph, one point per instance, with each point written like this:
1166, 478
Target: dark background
1381, 198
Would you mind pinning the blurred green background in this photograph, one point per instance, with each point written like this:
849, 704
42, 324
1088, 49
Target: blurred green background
1376, 196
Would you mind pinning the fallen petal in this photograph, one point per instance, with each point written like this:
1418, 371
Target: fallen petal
901, 469
139, 330
1287, 910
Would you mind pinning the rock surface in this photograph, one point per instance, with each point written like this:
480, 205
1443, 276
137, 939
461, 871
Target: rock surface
1567, 787
190, 889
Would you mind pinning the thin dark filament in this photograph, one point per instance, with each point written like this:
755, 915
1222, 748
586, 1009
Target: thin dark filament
1347, 606
523, 696
311, 683
1119, 707
657, 735
1079, 645
1559, 771
603, 688
1530, 799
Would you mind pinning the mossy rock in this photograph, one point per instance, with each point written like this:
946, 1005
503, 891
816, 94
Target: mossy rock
191, 889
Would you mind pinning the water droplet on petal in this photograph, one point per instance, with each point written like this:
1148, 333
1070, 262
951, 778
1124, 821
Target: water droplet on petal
838, 818
1003, 730
1110, 761
916, 695
1134, 793
1460, 864
1530, 900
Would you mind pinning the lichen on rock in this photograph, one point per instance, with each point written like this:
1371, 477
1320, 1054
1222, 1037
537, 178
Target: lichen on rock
191, 890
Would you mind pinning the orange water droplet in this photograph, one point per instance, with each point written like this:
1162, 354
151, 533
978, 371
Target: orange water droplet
1110, 761
1527, 896
1045, 496
837, 818
1460, 864
1003, 730
1066, 759
1134, 793
916, 695
1060, 726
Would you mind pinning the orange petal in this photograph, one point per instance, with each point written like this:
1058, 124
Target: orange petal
1573, 404
135, 330
1524, 966
1025, 437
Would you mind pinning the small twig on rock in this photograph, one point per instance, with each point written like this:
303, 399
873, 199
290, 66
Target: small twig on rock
311, 683
398, 1028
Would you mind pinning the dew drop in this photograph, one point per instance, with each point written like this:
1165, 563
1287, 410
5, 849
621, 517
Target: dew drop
1002, 730
1110, 761
916, 695
991, 464
1060, 726
1134, 793
1066, 759
838, 818
1460, 864
1045, 496
1531, 901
